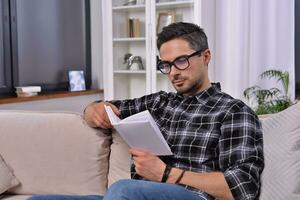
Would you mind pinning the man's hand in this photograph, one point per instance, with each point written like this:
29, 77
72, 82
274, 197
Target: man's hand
148, 165
96, 116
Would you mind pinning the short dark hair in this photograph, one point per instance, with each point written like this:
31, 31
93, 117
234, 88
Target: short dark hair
189, 32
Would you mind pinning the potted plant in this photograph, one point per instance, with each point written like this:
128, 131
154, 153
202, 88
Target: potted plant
270, 100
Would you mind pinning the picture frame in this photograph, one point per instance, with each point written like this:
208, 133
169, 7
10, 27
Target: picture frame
76, 80
164, 19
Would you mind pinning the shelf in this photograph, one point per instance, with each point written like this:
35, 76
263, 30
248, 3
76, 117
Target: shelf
137, 39
48, 95
164, 5
132, 82
129, 71
129, 8
174, 4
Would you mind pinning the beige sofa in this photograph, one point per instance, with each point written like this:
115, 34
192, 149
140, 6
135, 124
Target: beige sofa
57, 153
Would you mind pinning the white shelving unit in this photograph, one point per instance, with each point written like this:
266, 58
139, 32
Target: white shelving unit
119, 82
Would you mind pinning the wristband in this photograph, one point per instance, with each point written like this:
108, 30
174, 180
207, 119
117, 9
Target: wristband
166, 173
180, 177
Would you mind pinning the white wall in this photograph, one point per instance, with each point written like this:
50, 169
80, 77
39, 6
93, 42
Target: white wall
208, 18
247, 38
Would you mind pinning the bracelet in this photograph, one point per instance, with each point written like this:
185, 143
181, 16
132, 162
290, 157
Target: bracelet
166, 173
180, 177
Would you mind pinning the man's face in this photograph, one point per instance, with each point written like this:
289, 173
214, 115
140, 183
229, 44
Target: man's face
193, 79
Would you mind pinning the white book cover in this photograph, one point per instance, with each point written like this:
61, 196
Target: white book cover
140, 131
29, 89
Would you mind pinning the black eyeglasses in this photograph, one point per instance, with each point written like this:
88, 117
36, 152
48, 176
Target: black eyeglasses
181, 63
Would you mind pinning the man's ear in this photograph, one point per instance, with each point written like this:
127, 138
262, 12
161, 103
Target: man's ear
207, 56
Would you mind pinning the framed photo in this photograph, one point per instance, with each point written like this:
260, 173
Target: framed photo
76, 80
164, 19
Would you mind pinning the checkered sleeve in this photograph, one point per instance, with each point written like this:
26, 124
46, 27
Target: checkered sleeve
241, 151
132, 106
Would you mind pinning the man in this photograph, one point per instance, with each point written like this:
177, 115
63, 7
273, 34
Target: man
216, 140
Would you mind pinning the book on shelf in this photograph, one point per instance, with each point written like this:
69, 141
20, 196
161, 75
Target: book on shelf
133, 27
140, 131
28, 89
26, 94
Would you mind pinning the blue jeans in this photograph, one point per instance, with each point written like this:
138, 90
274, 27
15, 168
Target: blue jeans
133, 190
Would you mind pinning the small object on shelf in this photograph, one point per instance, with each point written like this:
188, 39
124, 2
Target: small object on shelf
133, 62
140, 2
76, 80
164, 19
28, 89
133, 27
129, 3
26, 94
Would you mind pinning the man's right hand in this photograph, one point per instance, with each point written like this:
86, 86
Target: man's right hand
96, 116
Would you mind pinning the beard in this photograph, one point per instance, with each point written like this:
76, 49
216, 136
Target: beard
185, 86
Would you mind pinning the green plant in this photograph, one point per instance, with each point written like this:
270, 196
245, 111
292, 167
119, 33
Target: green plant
270, 100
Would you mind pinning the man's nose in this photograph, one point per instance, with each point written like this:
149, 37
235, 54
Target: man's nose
174, 71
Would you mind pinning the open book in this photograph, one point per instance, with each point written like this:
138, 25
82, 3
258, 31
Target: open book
140, 131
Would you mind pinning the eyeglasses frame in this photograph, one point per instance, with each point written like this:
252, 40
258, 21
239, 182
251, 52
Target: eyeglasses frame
173, 62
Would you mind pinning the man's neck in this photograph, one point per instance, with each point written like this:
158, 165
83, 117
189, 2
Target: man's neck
203, 87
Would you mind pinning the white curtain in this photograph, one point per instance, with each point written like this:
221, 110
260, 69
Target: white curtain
248, 37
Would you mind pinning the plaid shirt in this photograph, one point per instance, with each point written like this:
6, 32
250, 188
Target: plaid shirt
208, 132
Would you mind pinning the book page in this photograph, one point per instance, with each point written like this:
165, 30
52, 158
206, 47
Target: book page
141, 116
114, 119
141, 135
140, 131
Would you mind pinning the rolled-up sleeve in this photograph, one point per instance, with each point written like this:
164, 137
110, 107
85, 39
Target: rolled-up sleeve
241, 152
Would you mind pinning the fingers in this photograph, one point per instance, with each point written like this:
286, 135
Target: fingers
101, 117
138, 152
138, 169
101, 123
89, 116
96, 116
115, 109
104, 124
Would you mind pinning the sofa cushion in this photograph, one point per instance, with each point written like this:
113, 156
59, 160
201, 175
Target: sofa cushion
54, 153
281, 176
119, 162
7, 178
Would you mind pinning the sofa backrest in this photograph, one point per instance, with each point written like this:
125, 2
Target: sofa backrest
54, 153
41, 146
281, 175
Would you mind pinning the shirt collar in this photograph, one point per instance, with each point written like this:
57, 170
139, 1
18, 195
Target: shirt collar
203, 96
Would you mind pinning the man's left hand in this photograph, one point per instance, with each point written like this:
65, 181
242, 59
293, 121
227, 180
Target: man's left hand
148, 165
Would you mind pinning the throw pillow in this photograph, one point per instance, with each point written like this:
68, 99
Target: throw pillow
281, 176
7, 180
61, 154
